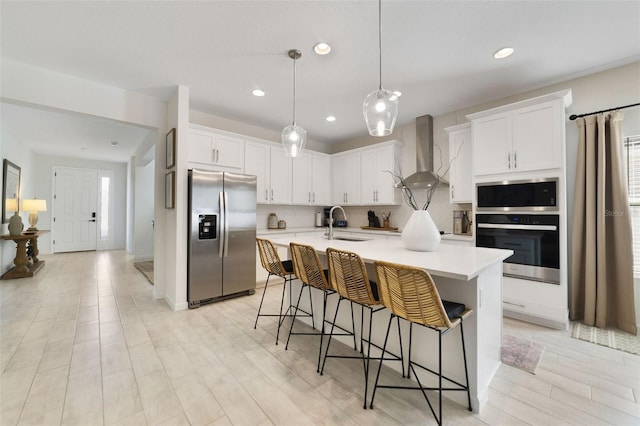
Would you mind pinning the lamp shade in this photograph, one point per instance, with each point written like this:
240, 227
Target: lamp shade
293, 139
34, 205
11, 205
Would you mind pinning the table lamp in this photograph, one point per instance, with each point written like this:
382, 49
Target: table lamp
34, 206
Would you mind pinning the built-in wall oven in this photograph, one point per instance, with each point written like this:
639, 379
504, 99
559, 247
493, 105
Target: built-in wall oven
533, 237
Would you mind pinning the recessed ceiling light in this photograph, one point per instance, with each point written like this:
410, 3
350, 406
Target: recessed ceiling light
258, 92
114, 143
330, 118
503, 53
322, 48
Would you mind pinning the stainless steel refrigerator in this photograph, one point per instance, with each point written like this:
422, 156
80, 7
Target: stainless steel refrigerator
222, 236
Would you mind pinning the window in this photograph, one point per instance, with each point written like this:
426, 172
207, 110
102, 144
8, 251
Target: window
105, 182
632, 144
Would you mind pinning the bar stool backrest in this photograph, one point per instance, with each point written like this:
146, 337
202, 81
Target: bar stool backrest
307, 266
348, 276
270, 259
410, 293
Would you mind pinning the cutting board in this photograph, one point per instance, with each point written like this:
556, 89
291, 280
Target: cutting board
371, 228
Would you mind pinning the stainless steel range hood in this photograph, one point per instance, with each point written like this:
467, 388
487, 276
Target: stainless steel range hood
425, 176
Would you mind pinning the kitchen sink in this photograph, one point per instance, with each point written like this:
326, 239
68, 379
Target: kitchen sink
351, 239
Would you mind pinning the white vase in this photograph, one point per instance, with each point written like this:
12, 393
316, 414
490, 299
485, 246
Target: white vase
421, 233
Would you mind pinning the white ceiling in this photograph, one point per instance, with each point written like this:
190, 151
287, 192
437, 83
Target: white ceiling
438, 53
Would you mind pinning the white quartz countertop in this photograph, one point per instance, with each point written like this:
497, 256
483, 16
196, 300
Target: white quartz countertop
458, 262
266, 232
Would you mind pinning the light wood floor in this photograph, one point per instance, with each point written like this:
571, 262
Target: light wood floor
84, 343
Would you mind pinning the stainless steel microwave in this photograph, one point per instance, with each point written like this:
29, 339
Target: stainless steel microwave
528, 195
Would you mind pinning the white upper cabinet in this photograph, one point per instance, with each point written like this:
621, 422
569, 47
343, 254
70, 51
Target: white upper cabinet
525, 136
311, 183
346, 178
272, 169
460, 172
215, 150
376, 179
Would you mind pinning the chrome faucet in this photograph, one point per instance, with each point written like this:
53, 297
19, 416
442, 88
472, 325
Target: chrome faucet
330, 234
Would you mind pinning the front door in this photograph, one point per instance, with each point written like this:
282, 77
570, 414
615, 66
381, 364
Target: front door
74, 209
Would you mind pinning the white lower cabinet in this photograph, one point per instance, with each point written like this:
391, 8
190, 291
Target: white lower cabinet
537, 302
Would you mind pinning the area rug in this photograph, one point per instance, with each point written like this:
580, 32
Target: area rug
146, 268
614, 339
521, 353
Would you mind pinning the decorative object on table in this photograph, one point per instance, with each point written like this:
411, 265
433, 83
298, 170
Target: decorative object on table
10, 189
282, 224
293, 136
272, 221
614, 339
521, 353
15, 224
170, 141
421, 233
380, 107
33, 206
169, 190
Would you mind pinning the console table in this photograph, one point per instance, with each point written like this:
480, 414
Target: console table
21, 270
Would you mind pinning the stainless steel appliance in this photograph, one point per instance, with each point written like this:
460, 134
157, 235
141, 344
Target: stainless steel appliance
529, 195
222, 236
534, 239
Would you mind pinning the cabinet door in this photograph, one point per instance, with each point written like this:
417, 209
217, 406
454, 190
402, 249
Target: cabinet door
369, 176
386, 161
460, 173
229, 152
320, 180
301, 179
346, 179
257, 163
492, 144
280, 181
200, 147
537, 137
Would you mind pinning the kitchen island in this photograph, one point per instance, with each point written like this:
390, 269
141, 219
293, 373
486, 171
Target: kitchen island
468, 275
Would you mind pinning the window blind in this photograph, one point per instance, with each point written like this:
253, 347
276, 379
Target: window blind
632, 145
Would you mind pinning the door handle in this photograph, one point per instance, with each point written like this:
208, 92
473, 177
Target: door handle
92, 220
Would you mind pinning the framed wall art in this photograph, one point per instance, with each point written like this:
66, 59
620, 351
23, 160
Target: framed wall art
171, 148
10, 189
169, 190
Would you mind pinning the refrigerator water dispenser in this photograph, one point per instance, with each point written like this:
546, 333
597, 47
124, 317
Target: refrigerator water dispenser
207, 226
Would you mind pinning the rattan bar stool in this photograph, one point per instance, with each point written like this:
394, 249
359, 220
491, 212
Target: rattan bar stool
410, 293
348, 275
284, 269
308, 269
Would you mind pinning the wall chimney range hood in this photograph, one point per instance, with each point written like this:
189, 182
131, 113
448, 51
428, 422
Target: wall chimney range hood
425, 176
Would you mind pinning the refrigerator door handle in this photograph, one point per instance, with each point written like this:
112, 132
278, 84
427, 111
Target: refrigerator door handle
226, 224
221, 229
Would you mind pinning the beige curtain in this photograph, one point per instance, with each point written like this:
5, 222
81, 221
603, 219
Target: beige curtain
602, 263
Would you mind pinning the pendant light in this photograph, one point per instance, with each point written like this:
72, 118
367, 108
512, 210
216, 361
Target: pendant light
294, 136
380, 107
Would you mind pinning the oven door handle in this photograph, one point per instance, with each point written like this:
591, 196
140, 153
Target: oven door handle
521, 227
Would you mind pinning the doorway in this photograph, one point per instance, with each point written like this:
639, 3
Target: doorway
82, 209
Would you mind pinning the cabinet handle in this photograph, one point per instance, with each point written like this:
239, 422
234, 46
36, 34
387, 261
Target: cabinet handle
266, 195
314, 197
515, 159
509, 159
272, 195
452, 196
309, 194
213, 155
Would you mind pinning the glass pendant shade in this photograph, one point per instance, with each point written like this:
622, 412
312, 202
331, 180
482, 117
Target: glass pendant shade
293, 139
294, 136
380, 109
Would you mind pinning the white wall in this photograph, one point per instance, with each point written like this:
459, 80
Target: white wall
144, 212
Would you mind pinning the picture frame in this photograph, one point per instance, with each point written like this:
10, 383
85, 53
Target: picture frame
10, 189
170, 141
169, 190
